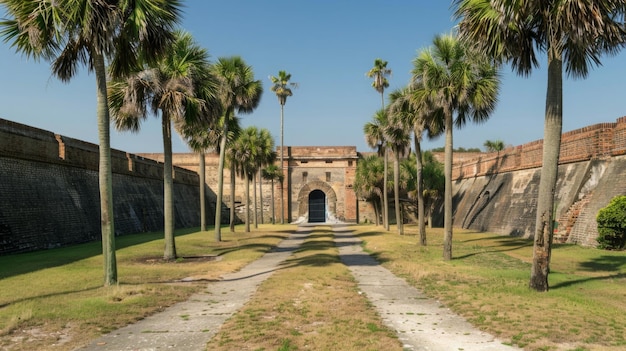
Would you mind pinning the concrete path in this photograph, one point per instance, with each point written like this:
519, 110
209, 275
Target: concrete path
189, 325
421, 323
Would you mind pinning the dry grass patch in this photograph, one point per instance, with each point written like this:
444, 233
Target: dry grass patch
54, 300
312, 303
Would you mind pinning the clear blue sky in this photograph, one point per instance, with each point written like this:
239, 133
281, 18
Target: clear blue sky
327, 46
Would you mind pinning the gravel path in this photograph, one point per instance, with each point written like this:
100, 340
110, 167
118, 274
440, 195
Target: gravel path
421, 323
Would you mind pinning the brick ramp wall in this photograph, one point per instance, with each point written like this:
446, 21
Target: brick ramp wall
506, 203
606, 181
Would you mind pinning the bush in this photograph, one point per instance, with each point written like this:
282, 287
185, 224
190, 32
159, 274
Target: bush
612, 224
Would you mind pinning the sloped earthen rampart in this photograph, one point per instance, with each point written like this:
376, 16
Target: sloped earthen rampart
49, 194
498, 191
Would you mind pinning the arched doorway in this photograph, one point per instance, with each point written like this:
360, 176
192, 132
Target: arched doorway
317, 206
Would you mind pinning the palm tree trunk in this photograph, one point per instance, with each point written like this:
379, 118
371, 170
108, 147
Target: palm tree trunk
261, 193
202, 173
247, 202
447, 218
544, 224
386, 192
220, 180
419, 188
232, 199
105, 174
396, 191
168, 185
273, 214
255, 219
282, 171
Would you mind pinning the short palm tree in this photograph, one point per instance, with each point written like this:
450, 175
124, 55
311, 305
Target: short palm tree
414, 117
245, 153
178, 88
455, 85
375, 138
494, 145
282, 88
201, 139
265, 156
574, 34
90, 32
398, 135
272, 173
368, 182
239, 92
379, 73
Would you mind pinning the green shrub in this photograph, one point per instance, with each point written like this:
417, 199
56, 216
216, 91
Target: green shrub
612, 224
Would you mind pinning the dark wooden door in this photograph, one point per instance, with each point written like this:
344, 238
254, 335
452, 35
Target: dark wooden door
317, 206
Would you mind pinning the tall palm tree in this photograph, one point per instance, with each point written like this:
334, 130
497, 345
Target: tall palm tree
89, 32
379, 73
241, 93
178, 88
272, 173
456, 85
375, 138
574, 34
399, 138
282, 88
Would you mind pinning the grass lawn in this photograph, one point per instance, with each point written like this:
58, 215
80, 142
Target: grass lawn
54, 299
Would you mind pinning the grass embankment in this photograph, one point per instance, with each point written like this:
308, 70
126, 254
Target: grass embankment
487, 282
53, 300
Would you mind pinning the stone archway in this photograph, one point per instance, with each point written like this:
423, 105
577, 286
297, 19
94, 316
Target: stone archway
303, 199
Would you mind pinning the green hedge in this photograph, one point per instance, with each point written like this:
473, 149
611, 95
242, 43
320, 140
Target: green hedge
612, 224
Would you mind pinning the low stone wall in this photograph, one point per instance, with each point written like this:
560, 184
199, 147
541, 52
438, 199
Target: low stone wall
49, 194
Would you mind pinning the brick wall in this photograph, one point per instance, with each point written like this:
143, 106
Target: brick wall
584, 144
49, 193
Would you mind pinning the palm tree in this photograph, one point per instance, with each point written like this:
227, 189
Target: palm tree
240, 93
272, 173
178, 88
265, 156
379, 73
399, 138
494, 145
574, 34
434, 183
375, 138
455, 85
368, 181
89, 32
281, 87
414, 117
245, 153
201, 139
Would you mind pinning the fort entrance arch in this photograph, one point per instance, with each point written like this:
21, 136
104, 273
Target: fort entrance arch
317, 202
319, 184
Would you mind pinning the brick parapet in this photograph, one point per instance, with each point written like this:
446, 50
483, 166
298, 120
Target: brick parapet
29, 143
591, 142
